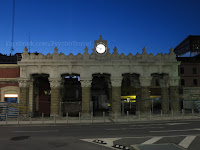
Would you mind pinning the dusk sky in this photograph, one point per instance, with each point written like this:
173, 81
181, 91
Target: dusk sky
72, 24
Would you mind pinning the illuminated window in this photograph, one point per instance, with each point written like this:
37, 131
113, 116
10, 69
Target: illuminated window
11, 98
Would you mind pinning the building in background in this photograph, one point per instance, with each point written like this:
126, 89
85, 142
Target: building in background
189, 47
188, 54
9, 72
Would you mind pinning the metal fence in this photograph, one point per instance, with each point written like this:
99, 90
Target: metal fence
9, 110
72, 114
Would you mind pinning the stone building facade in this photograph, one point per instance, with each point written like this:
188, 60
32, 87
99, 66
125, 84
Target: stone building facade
9, 72
142, 67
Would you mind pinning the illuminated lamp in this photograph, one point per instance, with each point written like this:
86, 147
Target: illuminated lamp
11, 95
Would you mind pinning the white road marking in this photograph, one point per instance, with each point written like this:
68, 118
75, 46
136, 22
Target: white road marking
39, 131
197, 129
144, 128
184, 143
187, 141
133, 128
171, 124
152, 140
109, 141
112, 129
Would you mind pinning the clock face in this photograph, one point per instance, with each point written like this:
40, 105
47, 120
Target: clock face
100, 48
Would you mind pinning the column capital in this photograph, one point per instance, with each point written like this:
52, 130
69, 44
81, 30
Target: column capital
55, 82
116, 82
23, 82
145, 81
86, 83
174, 81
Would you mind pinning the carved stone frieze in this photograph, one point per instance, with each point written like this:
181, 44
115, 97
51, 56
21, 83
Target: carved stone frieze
23, 82
55, 82
145, 81
116, 82
86, 83
174, 81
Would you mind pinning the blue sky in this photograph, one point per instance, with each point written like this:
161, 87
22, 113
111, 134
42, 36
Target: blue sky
71, 24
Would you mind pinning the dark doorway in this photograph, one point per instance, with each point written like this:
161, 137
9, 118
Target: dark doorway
101, 94
42, 94
71, 94
130, 93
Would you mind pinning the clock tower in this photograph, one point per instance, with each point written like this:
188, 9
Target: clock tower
100, 47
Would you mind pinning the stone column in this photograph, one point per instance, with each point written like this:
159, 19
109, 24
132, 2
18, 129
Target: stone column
116, 96
86, 97
30, 106
144, 102
174, 95
110, 96
164, 96
55, 96
23, 95
138, 95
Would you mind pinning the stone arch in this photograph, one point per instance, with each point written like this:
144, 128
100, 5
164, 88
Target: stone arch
101, 93
130, 91
40, 94
71, 94
9, 90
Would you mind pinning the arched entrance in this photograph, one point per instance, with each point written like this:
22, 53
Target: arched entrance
71, 94
101, 94
41, 94
130, 92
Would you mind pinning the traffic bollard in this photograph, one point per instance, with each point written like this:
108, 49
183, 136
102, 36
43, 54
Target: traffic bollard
54, 118
115, 117
18, 118
150, 115
42, 118
138, 114
128, 116
193, 112
104, 117
30, 119
67, 117
91, 117
6, 118
79, 117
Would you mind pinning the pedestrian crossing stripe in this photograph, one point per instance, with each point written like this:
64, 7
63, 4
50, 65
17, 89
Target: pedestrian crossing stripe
167, 146
184, 143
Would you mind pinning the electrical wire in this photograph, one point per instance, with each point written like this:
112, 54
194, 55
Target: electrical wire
13, 23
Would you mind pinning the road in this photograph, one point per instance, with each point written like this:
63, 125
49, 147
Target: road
184, 134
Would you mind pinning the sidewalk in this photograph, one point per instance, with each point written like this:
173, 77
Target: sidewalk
82, 120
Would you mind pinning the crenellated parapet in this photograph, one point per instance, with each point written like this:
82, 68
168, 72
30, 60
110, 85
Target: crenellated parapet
111, 56
101, 60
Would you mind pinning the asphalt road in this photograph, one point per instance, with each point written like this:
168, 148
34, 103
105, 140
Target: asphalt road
184, 134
